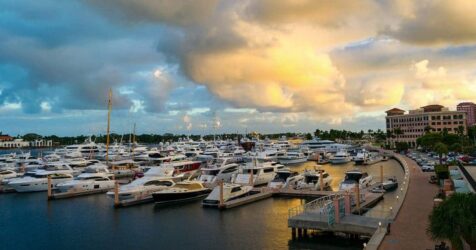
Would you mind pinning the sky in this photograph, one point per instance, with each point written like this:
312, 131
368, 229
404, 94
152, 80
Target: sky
219, 66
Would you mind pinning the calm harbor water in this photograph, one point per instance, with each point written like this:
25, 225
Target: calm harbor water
28, 221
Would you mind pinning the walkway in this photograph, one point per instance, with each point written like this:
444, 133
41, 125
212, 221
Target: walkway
408, 231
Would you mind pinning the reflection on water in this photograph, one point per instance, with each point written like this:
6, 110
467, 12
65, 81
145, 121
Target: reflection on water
28, 221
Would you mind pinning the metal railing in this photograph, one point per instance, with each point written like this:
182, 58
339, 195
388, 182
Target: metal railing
315, 206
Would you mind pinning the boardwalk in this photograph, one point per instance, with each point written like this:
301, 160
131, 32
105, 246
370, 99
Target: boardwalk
409, 228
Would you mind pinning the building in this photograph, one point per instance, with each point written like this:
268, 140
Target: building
470, 109
17, 143
7, 141
432, 118
6, 138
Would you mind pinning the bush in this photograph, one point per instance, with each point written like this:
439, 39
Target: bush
442, 171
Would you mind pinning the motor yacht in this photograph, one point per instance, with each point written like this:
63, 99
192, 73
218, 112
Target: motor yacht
361, 158
95, 178
353, 178
324, 145
257, 173
230, 191
291, 157
38, 181
311, 180
285, 178
140, 190
181, 192
7, 174
221, 169
340, 157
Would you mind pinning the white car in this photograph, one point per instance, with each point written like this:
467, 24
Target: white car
427, 168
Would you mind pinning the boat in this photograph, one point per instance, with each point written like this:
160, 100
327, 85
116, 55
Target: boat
311, 180
285, 178
7, 174
353, 178
340, 157
183, 167
390, 184
140, 190
94, 179
231, 191
257, 174
292, 158
181, 192
361, 158
323, 145
38, 181
221, 169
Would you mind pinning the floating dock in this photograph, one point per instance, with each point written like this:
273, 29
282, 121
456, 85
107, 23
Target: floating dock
254, 196
57, 196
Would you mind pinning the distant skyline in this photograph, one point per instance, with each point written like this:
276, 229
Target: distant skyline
229, 66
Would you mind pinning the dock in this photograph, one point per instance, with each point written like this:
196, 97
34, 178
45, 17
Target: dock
333, 213
57, 196
254, 196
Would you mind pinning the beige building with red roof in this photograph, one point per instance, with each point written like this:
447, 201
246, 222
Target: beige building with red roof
408, 127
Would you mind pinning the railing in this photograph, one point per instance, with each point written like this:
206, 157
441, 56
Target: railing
315, 206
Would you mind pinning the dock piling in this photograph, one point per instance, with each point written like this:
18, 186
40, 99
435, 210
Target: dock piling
293, 233
116, 193
221, 194
49, 187
321, 181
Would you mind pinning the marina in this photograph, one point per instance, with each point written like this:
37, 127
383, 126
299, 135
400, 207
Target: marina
263, 197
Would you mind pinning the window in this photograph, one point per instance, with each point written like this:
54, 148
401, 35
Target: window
229, 170
268, 170
235, 189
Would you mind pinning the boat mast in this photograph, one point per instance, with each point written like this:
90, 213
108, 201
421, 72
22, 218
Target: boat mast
134, 137
109, 107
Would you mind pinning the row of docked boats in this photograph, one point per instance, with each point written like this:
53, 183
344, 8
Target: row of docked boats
166, 170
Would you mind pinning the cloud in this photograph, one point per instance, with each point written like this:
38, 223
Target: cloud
435, 22
182, 13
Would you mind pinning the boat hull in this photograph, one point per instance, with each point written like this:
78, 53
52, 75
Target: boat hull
180, 196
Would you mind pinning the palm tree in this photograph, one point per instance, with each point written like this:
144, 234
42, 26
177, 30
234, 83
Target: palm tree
454, 219
441, 149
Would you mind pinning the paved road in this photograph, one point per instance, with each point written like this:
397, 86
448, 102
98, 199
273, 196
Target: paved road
409, 228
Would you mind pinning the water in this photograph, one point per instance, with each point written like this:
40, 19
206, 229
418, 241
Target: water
28, 221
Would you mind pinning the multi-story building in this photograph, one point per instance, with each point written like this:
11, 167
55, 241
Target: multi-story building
470, 109
431, 118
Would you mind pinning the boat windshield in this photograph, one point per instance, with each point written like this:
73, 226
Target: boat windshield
353, 176
311, 179
5, 172
282, 176
213, 172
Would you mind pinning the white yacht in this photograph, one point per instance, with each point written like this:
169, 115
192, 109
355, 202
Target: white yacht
285, 178
324, 145
230, 191
353, 178
256, 174
7, 174
269, 155
361, 158
38, 181
221, 169
340, 157
95, 178
311, 180
292, 157
140, 190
